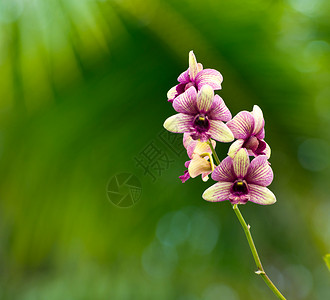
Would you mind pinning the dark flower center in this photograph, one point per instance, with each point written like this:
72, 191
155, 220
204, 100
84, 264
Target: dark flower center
255, 145
240, 187
201, 123
251, 143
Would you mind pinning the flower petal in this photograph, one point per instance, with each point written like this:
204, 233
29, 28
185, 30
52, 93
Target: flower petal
179, 123
261, 195
261, 134
267, 151
205, 98
205, 176
259, 171
202, 148
187, 139
259, 121
218, 192
235, 147
171, 93
219, 110
184, 77
193, 67
220, 132
199, 165
186, 102
185, 176
224, 171
209, 76
242, 125
191, 148
241, 163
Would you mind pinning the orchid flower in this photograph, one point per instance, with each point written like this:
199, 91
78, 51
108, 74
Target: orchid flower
201, 115
195, 76
240, 181
248, 129
201, 161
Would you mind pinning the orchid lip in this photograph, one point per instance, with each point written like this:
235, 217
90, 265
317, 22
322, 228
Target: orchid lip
240, 188
201, 123
188, 85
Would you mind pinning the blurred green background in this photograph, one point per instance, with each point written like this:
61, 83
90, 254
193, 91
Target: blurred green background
83, 88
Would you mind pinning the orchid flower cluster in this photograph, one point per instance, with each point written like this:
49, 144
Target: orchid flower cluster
204, 118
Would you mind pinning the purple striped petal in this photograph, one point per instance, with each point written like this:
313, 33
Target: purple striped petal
205, 98
261, 134
261, 195
219, 110
267, 151
259, 121
210, 77
259, 171
184, 77
186, 102
242, 125
218, 192
235, 147
241, 163
193, 67
220, 132
179, 123
224, 171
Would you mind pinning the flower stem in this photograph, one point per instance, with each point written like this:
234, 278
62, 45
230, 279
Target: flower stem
215, 155
253, 248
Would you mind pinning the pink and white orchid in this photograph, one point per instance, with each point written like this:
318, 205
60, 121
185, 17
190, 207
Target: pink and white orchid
201, 115
240, 181
248, 129
201, 161
195, 76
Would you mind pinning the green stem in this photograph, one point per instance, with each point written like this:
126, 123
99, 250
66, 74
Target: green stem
215, 155
257, 260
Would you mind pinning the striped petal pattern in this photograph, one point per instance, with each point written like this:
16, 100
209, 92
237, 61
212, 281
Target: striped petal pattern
186, 102
219, 110
210, 77
259, 172
179, 123
241, 163
242, 125
224, 171
220, 132
193, 66
205, 98
218, 192
259, 121
235, 147
261, 195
